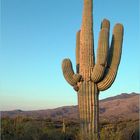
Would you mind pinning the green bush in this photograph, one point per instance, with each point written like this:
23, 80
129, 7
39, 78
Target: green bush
23, 128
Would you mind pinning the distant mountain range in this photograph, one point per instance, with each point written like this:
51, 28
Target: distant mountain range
121, 107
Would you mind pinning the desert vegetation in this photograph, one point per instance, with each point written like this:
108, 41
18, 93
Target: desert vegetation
27, 128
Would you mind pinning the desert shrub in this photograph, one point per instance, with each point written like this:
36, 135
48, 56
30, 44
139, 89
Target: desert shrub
122, 131
32, 131
7, 128
26, 128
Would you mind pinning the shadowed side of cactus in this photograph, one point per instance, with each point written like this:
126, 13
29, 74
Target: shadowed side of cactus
92, 77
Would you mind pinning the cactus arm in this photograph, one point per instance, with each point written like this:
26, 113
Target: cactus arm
68, 73
102, 52
77, 51
113, 59
103, 47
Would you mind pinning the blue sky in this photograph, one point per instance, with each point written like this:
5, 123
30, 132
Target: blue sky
36, 35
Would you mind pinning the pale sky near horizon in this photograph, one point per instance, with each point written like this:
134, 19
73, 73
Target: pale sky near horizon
36, 35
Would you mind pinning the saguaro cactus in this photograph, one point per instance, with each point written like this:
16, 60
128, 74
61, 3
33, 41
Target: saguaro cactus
64, 126
92, 77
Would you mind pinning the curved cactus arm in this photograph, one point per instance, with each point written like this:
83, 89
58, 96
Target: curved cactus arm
102, 52
68, 73
113, 59
77, 51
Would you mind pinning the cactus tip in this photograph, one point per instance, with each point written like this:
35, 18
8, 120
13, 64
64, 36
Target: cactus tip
118, 28
105, 24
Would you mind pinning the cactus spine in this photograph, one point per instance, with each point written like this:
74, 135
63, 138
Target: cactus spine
92, 77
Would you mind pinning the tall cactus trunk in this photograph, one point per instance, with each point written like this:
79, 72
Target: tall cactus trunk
88, 104
88, 91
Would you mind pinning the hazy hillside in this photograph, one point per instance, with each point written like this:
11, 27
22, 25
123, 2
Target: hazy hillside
120, 107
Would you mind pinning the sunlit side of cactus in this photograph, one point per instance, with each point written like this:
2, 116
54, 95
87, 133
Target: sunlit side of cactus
92, 77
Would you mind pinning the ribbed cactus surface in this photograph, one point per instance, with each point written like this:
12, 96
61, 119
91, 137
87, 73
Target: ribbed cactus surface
92, 77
